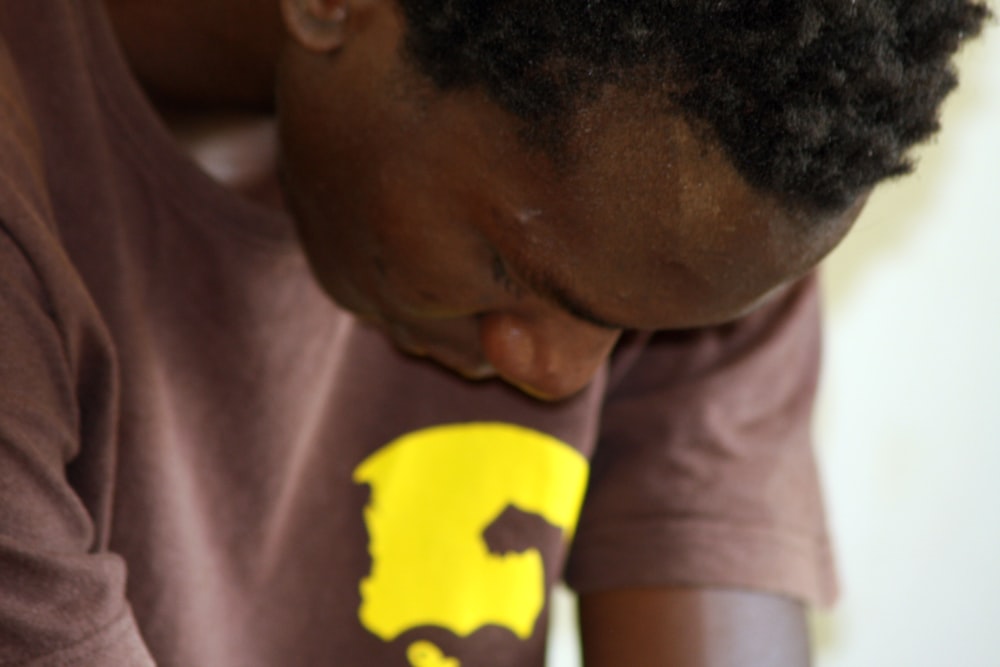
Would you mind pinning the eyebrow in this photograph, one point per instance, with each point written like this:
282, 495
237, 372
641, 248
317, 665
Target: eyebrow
545, 285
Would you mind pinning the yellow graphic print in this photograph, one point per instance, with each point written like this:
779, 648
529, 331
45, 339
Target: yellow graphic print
426, 654
433, 494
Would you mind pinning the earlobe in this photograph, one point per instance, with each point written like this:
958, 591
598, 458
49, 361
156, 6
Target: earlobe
317, 25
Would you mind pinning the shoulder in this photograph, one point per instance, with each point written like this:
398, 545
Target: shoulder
21, 169
35, 262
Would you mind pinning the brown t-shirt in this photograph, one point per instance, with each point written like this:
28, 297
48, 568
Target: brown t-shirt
205, 462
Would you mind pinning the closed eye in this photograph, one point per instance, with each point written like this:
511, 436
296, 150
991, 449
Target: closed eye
549, 290
503, 278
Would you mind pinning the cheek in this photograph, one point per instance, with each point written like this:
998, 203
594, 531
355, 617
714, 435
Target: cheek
337, 271
434, 274
383, 218
341, 251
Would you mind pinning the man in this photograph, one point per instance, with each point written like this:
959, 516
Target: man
597, 220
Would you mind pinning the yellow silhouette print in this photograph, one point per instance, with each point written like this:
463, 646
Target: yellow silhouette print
433, 494
426, 654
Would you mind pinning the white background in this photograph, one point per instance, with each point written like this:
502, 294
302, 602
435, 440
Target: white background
909, 416
909, 419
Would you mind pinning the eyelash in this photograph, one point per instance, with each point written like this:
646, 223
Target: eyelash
503, 277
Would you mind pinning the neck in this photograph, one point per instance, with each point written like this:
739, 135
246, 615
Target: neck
202, 54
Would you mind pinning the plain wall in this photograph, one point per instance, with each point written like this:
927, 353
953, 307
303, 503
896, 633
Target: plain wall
909, 415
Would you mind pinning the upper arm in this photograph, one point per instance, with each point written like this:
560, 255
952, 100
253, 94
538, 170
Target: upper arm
62, 594
704, 489
704, 474
692, 627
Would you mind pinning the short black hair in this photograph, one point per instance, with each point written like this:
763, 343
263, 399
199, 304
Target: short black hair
812, 100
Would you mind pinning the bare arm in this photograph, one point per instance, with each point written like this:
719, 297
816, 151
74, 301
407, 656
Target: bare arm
692, 627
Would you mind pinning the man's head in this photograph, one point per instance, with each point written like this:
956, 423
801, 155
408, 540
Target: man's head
505, 186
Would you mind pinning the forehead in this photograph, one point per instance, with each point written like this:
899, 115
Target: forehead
644, 216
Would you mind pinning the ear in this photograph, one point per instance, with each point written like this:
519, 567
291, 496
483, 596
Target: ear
317, 25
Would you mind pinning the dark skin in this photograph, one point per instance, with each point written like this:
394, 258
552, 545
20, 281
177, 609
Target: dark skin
425, 214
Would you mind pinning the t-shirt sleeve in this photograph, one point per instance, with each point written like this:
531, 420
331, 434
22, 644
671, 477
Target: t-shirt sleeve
62, 599
704, 474
62, 594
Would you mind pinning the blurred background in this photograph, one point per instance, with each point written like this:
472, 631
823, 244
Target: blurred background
908, 424
909, 417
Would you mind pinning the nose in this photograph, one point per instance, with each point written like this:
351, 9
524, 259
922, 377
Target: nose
549, 356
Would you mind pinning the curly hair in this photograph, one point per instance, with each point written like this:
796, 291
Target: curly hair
812, 100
